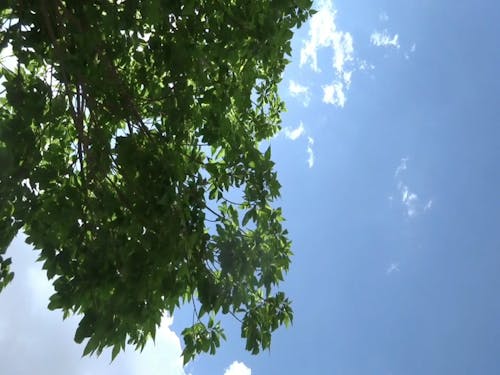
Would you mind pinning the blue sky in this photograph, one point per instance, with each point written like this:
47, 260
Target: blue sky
389, 165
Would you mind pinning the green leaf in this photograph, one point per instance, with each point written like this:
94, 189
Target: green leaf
248, 215
121, 136
116, 350
90, 347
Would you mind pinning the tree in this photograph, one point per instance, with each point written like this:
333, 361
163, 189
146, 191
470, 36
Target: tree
127, 129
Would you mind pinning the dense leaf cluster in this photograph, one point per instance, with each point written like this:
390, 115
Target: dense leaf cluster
126, 130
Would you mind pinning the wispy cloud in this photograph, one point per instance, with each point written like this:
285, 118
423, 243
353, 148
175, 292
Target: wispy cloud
408, 198
297, 90
428, 205
310, 152
294, 134
323, 33
383, 16
383, 39
412, 50
393, 267
238, 368
401, 167
365, 65
334, 94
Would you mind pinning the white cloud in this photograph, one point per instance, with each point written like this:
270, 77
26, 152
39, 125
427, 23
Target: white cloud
238, 368
344, 51
297, 90
7, 58
310, 160
323, 33
393, 267
36, 340
346, 76
334, 94
294, 134
161, 357
7, 61
383, 39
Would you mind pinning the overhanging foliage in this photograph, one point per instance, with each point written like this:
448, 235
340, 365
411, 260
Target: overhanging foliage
124, 130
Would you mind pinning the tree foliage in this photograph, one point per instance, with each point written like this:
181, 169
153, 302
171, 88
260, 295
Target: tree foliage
126, 129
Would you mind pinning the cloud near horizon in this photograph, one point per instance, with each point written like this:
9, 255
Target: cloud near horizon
36, 340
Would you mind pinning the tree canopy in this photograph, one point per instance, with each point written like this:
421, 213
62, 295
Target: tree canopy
131, 157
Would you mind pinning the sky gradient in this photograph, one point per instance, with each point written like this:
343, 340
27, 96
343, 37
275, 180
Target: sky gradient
388, 160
